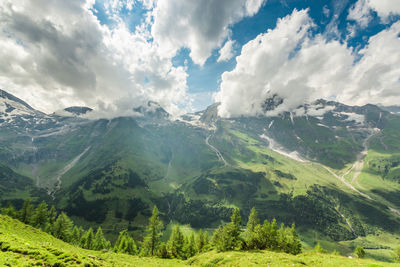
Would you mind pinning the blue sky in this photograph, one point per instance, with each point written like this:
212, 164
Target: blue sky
204, 80
111, 54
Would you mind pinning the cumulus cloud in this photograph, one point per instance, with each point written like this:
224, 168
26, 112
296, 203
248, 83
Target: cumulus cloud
200, 26
59, 52
227, 51
361, 10
291, 63
361, 13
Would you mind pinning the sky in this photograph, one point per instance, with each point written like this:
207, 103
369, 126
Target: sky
113, 55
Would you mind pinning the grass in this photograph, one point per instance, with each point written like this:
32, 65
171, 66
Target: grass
268, 258
23, 245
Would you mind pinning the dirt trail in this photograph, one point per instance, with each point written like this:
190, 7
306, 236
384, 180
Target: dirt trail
358, 167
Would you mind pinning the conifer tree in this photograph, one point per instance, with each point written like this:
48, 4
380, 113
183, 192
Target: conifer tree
9, 210
99, 240
273, 236
152, 239
88, 240
295, 244
40, 216
25, 214
163, 251
228, 236
75, 236
252, 237
202, 241
359, 252
190, 246
52, 215
62, 227
253, 220
125, 244
176, 243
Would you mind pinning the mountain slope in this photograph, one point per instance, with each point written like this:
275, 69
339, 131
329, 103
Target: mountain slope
330, 168
22, 245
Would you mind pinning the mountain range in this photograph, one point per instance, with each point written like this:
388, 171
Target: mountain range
332, 169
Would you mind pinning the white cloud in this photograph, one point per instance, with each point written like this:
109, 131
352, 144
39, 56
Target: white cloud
289, 62
361, 13
59, 53
200, 26
227, 51
385, 8
361, 10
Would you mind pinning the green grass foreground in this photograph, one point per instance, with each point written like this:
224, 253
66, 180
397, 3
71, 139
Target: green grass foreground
23, 245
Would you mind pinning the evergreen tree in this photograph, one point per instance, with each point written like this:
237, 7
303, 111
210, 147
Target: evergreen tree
163, 251
319, 249
359, 252
25, 214
100, 242
152, 240
228, 237
40, 216
52, 215
201, 241
252, 237
88, 239
125, 244
62, 227
190, 246
273, 236
294, 244
176, 243
396, 254
253, 220
75, 236
9, 210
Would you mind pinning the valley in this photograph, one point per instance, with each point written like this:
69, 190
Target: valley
335, 177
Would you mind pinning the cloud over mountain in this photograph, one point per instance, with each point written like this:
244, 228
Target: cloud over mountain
291, 62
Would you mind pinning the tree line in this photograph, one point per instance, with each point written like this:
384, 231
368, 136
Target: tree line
229, 236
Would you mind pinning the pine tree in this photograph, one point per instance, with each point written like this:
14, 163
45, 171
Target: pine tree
396, 254
295, 244
228, 237
40, 216
163, 251
359, 252
273, 236
52, 215
100, 242
201, 241
62, 227
152, 240
9, 210
190, 246
25, 214
253, 220
176, 243
125, 244
251, 236
88, 239
75, 236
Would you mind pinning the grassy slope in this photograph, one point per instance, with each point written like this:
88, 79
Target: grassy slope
23, 245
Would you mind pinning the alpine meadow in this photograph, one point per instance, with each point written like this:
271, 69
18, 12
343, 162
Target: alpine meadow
200, 133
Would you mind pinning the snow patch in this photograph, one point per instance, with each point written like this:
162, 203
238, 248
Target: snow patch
273, 145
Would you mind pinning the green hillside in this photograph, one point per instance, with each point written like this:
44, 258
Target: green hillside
23, 245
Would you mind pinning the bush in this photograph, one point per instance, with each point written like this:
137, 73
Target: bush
359, 252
